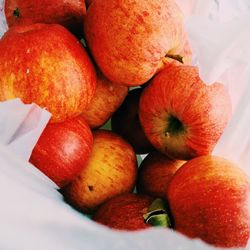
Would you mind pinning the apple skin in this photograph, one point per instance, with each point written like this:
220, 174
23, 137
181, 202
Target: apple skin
209, 199
45, 64
67, 13
124, 212
181, 116
63, 150
107, 99
187, 54
155, 173
130, 39
111, 170
125, 122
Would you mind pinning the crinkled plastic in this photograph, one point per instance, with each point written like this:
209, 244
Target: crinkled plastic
33, 214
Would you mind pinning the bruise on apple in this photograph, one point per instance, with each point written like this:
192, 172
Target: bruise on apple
16, 12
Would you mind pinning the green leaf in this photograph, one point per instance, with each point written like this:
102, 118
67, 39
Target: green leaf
159, 220
157, 214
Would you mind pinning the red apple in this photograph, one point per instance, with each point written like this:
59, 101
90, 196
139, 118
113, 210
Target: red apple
65, 12
111, 170
181, 116
45, 64
131, 40
209, 198
63, 150
107, 98
125, 122
155, 173
124, 212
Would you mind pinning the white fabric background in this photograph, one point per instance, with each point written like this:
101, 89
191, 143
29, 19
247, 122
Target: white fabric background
33, 214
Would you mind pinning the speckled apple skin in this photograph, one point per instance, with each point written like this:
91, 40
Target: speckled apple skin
45, 64
205, 110
111, 170
209, 198
107, 99
63, 150
155, 174
124, 212
130, 38
65, 12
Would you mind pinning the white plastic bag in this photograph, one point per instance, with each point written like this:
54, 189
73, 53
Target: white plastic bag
221, 46
33, 214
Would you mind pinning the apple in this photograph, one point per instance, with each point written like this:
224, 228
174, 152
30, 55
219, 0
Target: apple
63, 150
111, 170
155, 173
65, 12
107, 98
181, 116
125, 122
124, 212
45, 64
132, 40
209, 198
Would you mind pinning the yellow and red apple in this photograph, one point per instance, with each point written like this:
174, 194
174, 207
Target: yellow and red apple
107, 99
111, 170
46, 64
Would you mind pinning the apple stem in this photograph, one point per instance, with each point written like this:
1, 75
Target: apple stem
83, 42
157, 214
16, 12
178, 58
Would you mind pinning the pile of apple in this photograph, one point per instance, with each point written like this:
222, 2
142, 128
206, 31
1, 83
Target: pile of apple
173, 116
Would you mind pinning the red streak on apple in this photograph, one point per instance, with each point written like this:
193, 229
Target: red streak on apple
209, 198
63, 150
181, 116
